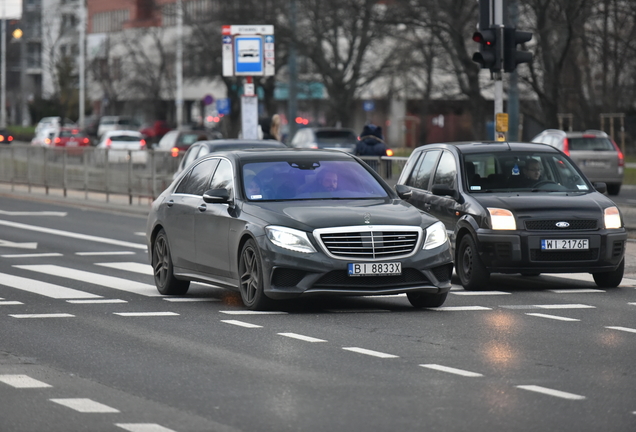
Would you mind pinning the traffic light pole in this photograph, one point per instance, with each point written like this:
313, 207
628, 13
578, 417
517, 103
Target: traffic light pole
498, 75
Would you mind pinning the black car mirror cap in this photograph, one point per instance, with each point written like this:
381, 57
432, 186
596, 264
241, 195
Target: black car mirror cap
216, 196
403, 191
445, 190
600, 187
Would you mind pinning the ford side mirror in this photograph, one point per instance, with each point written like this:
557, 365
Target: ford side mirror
445, 190
600, 187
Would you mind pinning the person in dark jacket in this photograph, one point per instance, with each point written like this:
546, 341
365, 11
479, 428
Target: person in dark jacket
371, 142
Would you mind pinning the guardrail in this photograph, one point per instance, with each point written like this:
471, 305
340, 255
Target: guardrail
133, 173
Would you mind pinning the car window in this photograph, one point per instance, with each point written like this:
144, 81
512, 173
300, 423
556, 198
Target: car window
189, 138
223, 177
590, 143
422, 173
194, 183
336, 137
190, 155
446, 172
125, 138
310, 179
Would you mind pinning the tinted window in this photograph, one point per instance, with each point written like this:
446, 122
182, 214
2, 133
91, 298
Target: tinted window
446, 173
223, 177
125, 138
196, 180
336, 137
591, 143
422, 172
189, 138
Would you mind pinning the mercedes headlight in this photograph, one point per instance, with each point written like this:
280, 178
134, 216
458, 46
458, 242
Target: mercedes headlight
435, 236
289, 238
612, 218
502, 219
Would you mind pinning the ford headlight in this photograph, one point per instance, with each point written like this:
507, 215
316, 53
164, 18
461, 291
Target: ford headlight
435, 236
289, 238
502, 219
612, 218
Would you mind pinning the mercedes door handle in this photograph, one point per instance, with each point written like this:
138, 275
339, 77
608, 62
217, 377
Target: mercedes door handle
202, 207
170, 203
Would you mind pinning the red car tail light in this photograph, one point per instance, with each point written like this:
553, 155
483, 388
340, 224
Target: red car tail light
1, 138
566, 146
10, 138
621, 158
85, 141
175, 151
143, 144
58, 140
108, 142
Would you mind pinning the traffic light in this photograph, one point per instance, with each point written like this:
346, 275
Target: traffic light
512, 57
489, 56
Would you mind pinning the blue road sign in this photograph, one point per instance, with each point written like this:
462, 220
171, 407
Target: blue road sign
269, 39
223, 106
248, 55
227, 39
368, 105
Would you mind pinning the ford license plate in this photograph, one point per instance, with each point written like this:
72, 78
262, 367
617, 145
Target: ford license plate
565, 244
375, 269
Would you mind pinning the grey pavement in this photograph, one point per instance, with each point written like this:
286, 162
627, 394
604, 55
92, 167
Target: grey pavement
141, 206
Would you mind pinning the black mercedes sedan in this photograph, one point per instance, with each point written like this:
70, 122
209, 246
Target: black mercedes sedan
283, 223
516, 208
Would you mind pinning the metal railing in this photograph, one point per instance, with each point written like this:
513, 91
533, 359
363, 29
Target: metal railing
136, 174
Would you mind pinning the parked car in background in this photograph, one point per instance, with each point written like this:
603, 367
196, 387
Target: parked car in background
265, 223
44, 137
325, 138
516, 208
72, 139
113, 123
202, 148
154, 131
180, 140
122, 146
53, 122
593, 151
6, 137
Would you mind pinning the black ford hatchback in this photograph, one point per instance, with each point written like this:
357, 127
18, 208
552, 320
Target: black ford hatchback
516, 208
283, 223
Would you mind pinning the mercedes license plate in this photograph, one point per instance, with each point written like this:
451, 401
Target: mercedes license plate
375, 269
565, 244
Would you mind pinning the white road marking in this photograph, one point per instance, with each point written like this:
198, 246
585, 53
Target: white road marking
59, 315
85, 405
625, 329
633, 304
478, 293
145, 314
22, 381
7, 243
551, 392
9, 303
143, 427
241, 324
577, 291
33, 213
73, 235
452, 370
40, 255
460, 308
370, 352
250, 312
554, 317
96, 279
43, 288
565, 306
96, 301
105, 253
588, 277
301, 337
356, 310
190, 299
129, 266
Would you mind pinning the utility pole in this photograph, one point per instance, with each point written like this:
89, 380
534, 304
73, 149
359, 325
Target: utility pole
498, 25
3, 82
179, 64
292, 92
513, 83
82, 63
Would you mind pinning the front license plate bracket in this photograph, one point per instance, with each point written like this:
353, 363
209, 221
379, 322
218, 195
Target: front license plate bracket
375, 269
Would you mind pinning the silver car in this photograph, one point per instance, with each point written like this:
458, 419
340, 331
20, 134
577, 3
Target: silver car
593, 151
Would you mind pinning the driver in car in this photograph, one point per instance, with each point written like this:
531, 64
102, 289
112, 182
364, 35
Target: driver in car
530, 174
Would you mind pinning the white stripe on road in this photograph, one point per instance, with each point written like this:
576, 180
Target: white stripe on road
370, 352
452, 370
554, 317
129, 266
145, 314
59, 315
577, 291
356, 310
38, 255
105, 253
551, 392
95, 278
43, 288
632, 304
98, 301
190, 299
85, 405
301, 337
460, 308
251, 312
143, 427
625, 329
565, 306
478, 293
72, 235
22, 381
33, 213
241, 324
10, 303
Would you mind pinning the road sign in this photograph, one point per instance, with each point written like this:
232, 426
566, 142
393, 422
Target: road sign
208, 99
368, 105
223, 106
248, 55
249, 117
248, 50
501, 122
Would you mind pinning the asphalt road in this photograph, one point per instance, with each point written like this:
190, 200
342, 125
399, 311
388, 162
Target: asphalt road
88, 344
